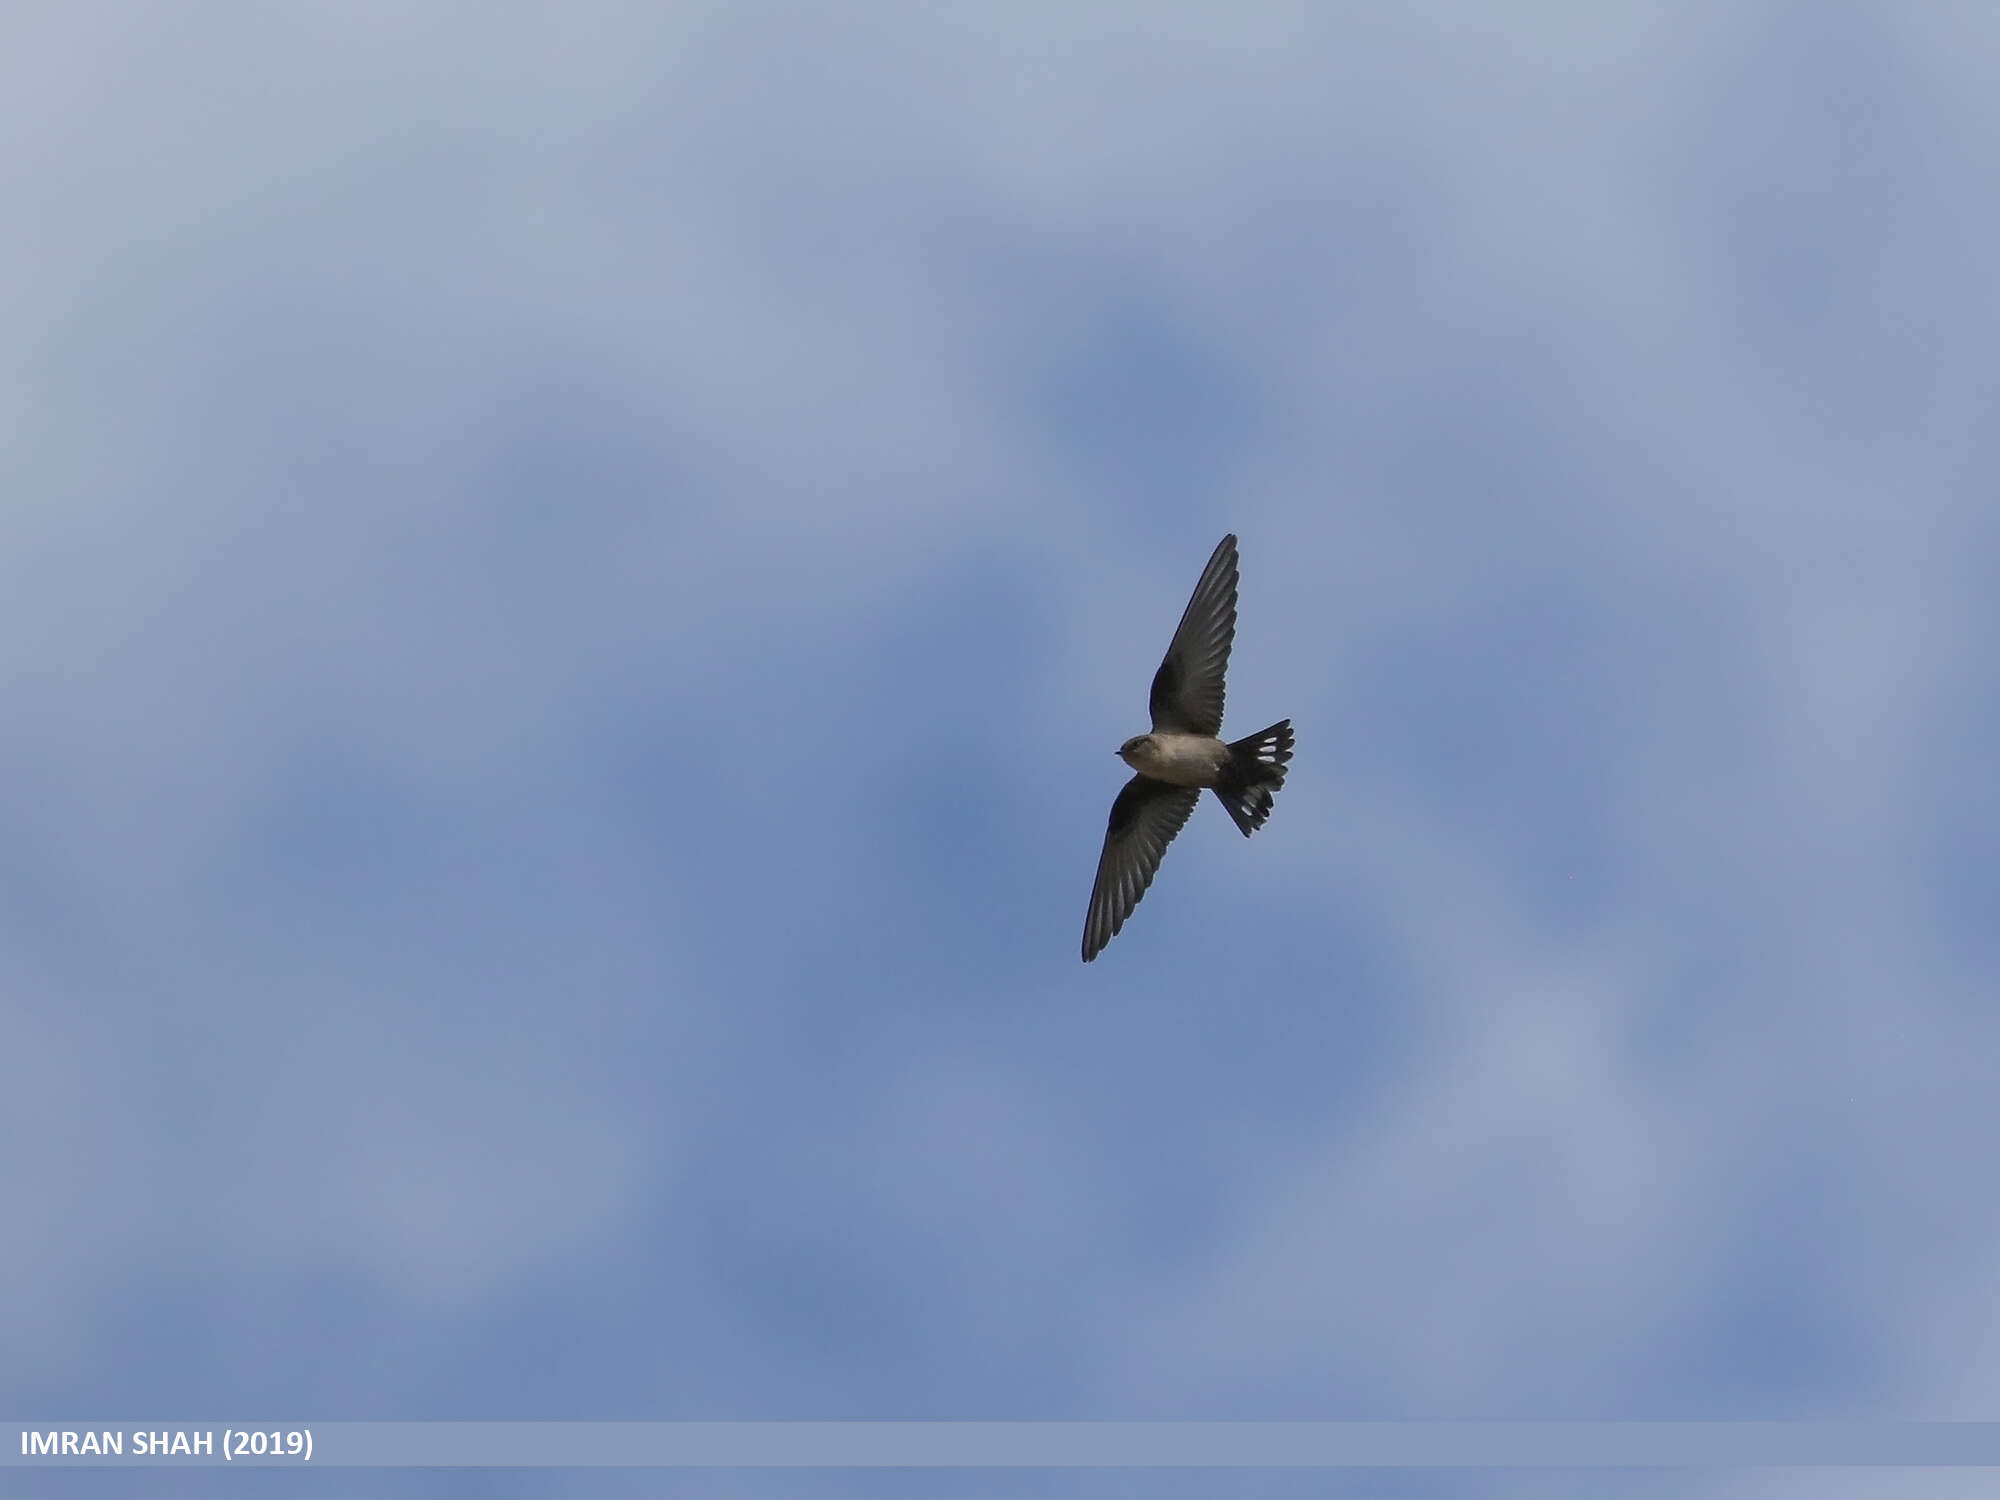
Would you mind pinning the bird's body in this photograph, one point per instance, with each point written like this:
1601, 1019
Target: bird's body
1183, 755
1178, 759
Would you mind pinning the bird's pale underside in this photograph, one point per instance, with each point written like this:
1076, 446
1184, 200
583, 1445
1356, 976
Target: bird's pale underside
1183, 754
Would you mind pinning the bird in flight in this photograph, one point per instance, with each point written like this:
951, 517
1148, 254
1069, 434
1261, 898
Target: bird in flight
1183, 754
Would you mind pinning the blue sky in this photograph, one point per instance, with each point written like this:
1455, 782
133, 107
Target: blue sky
569, 580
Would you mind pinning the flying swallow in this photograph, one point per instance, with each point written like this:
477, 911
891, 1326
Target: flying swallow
1182, 755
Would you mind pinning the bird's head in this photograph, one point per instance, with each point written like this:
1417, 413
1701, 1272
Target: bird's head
1138, 745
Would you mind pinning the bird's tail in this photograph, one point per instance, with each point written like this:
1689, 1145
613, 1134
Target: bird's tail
1256, 771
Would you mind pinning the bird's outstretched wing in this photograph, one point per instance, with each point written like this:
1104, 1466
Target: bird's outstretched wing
1144, 820
1187, 690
